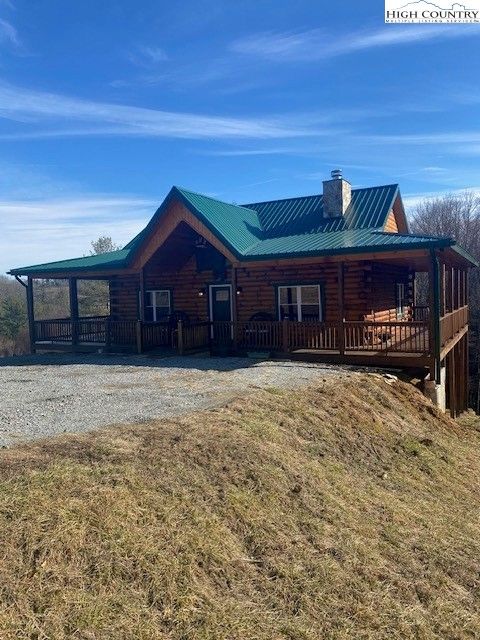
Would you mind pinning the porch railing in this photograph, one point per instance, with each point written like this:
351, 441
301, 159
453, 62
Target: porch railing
452, 323
99, 330
400, 337
277, 336
285, 336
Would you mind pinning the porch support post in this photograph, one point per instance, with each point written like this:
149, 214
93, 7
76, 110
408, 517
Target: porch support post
31, 314
435, 313
443, 306
234, 306
73, 293
341, 308
138, 336
141, 307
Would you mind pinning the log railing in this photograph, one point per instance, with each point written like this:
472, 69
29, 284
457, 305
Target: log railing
452, 323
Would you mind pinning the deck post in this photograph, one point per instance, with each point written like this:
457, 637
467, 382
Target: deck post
31, 314
141, 308
341, 308
435, 347
73, 294
180, 337
234, 307
138, 335
285, 336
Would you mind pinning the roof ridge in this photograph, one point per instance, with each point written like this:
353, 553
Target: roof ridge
316, 195
197, 193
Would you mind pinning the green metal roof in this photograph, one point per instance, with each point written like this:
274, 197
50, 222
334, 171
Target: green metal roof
368, 208
275, 229
111, 260
336, 242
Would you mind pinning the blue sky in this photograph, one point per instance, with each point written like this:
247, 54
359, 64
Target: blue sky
103, 106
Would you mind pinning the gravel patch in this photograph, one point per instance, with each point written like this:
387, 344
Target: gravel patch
48, 395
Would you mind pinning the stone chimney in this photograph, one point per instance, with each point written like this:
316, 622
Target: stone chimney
337, 194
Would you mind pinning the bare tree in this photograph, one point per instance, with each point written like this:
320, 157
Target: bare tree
455, 215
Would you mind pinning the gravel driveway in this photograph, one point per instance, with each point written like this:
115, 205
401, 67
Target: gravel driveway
47, 395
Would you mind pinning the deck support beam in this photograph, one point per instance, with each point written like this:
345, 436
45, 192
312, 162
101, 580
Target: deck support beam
31, 314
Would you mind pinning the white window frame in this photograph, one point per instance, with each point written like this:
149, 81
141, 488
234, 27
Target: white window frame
299, 287
400, 299
154, 307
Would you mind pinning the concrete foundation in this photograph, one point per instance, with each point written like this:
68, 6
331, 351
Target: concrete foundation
437, 392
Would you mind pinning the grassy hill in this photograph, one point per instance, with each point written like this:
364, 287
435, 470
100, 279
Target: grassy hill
348, 510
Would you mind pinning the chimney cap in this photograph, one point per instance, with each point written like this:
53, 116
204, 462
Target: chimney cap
336, 174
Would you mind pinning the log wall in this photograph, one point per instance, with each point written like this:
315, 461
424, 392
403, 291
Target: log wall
391, 224
369, 289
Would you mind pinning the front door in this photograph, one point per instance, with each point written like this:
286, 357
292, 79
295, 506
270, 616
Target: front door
221, 311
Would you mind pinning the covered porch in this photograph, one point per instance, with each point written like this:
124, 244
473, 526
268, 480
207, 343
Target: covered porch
359, 309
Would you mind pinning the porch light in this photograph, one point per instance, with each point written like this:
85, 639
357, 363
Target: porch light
239, 291
202, 293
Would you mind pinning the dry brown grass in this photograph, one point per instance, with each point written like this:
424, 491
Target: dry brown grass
348, 510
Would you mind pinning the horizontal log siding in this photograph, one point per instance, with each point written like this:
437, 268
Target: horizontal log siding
259, 283
124, 297
369, 289
185, 285
391, 224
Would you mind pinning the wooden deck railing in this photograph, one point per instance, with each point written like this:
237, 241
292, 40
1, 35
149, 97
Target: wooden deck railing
400, 337
277, 336
419, 313
285, 336
99, 330
452, 323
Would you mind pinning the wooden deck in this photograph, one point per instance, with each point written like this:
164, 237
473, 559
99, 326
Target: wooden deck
398, 344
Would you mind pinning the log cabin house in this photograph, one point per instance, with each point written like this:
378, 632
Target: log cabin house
328, 277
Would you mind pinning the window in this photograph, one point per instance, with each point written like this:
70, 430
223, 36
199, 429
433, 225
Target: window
300, 302
157, 305
400, 299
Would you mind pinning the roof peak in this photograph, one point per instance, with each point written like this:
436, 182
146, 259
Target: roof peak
184, 191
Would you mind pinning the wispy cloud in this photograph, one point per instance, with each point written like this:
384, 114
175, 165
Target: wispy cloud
412, 200
9, 35
69, 116
148, 57
435, 138
75, 219
316, 44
